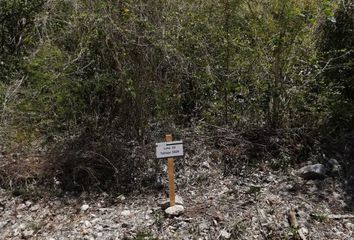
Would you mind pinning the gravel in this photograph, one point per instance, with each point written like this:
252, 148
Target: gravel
252, 206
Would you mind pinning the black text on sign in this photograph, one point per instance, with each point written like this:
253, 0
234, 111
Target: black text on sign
169, 149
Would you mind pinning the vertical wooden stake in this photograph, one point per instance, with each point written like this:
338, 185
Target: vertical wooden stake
171, 177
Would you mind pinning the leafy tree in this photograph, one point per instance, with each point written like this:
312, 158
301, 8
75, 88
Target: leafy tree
280, 31
337, 47
16, 26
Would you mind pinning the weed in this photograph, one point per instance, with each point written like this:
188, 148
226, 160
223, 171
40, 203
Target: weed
238, 228
254, 190
319, 217
35, 226
144, 235
159, 219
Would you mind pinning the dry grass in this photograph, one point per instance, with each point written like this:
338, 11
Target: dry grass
18, 171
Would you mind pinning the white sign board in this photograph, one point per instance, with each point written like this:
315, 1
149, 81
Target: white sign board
169, 149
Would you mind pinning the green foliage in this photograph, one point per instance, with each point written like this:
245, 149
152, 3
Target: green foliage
16, 26
337, 51
49, 97
88, 69
99, 65
144, 235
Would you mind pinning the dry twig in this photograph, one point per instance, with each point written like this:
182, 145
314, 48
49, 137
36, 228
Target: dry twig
294, 223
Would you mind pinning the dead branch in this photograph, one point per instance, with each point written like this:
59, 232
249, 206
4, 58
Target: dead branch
294, 223
345, 216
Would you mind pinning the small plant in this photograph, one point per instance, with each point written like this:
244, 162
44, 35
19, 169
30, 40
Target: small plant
202, 177
238, 228
159, 219
319, 217
35, 226
282, 161
293, 231
144, 235
254, 190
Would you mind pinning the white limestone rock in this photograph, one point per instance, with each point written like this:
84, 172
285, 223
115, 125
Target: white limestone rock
174, 211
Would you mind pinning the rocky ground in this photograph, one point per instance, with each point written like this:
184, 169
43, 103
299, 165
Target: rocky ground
255, 202
250, 206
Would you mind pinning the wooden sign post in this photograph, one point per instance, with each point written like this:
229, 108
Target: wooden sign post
169, 150
171, 177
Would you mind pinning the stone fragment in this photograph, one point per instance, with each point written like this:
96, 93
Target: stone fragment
311, 172
203, 227
305, 231
27, 233
87, 224
125, 213
225, 234
21, 207
34, 208
270, 179
3, 224
206, 165
335, 166
164, 204
125, 225
174, 210
218, 216
349, 226
333, 162
16, 232
22, 226
84, 207
121, 198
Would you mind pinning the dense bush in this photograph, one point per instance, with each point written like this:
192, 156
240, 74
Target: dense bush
337, 50
86, 78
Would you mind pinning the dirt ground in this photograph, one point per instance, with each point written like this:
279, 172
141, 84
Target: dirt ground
255, 205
